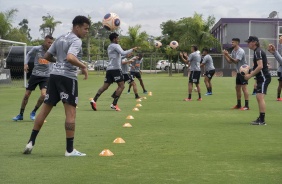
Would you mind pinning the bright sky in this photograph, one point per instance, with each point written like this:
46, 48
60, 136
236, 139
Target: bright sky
148, 13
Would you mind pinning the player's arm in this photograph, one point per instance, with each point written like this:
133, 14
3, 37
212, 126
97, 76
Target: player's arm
226, 56
185, 60
272, 50
124, 52
48, 56
29, 55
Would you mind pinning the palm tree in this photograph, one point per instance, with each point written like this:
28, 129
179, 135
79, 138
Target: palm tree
48, 27
6, 19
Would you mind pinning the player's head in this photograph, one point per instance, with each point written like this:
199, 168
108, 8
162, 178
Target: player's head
253, 42
194, 48
235, 42
205, 51
140, 56
48, 40
80, 26
114, 38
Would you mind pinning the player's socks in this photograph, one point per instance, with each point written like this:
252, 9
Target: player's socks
114, 94
136, 95
262, 116
254, 91
35, 109
210, 89
238, 103
33, 136
70, 144
22, 112
278, 95
115, 100
189, 96
96, 97
246, 103
199, 95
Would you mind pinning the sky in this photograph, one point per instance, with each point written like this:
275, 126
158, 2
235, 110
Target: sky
148, 13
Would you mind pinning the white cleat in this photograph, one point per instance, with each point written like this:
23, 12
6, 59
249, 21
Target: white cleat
28, 148
74, 153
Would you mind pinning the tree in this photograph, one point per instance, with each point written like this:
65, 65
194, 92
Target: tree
16, 34
48, 27
25, 29
6, 19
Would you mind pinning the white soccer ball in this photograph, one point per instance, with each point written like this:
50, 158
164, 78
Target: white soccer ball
173, 44
244, 69
158, 44
111, 21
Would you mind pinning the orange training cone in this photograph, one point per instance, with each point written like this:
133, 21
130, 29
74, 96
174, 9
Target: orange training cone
106, 153
119, 140
90, 99
145, 98
138, 105
127, 125
135, 109
129, 117
139, 100
150, 94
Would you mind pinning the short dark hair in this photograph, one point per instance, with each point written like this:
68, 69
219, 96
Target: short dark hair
236, 39
80, 20
112, 36
50, 37
205, 49
195, 47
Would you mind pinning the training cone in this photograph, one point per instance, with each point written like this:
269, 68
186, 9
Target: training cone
138, 105
129, 117
119, 140
76, 106
139, 100
45, 121
90, 99
106, 153
145, 98
150, 94
127, 125
135, 109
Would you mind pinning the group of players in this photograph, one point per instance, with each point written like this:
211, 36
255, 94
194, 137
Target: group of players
65, 55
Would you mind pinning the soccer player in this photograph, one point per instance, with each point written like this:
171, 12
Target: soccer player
272, 49
126, 75
136, 72
260, 70
62, 83
193, 61
113, 73
209, 68
40, 75
238, 58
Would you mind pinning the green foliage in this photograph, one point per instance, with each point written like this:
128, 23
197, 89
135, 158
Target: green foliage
17, 35
49, 25
6, 19
25, 29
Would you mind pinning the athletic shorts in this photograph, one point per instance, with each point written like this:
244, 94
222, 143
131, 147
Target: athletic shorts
127, 78
240, 80
113, 76
135, 74
262, 84
36, 80
195, 77
61, 88
279, 76
210, 74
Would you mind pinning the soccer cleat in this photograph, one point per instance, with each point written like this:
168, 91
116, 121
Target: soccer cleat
258, 122
128, 92
115, 107
93, 105
18, 117
28, 148
244, 108
236, 107
187, 99
145, 92
32, 115
279, 99
254, 93
199, 99
74, 153
208, 94
138, 97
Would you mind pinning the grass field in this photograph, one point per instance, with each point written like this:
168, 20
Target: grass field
171, 141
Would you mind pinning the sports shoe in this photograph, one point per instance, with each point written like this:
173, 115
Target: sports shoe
187, 99
137, 97
244, 108
115, 107
258, 122
128, 92
93, 105
145, 92
254, 93
32, 115
28, 148
279, 99
199, 99
208, 94
18, 117
74, 153
236, 107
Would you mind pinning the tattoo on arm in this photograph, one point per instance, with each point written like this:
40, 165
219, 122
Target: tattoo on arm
69, 126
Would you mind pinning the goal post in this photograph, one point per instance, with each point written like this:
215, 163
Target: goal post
12, 59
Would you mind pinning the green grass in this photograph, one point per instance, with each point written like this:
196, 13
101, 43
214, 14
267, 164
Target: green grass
171, 141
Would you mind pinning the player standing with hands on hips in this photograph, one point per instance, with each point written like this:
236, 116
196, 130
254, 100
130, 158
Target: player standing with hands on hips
260, 70
63, 82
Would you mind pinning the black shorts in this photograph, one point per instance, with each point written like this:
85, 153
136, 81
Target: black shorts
195, 77
113, 76
240, 80
279, 74
61, 88
36, 80
210, 74
262, 83
127, 78
135, 74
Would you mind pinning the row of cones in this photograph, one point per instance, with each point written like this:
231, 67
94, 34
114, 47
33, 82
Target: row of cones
119, 140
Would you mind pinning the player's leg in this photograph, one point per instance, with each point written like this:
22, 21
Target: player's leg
135, 89
190, 87
279, 86
43, 86
255, 87
118, 93
238, 88
23, 105
244, 84
132, 76
196, 80
207, 83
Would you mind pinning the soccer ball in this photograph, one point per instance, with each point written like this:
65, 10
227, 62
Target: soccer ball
173, 44
158, 44
244, 69
111, 21
195, 89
